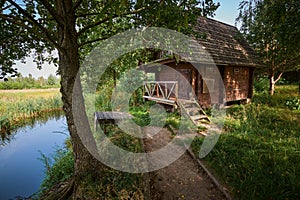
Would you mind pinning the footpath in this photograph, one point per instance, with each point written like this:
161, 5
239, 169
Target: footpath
183, 179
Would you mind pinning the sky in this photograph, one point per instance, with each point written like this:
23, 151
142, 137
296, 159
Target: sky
227, 13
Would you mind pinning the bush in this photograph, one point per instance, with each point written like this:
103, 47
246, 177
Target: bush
293, 103
261, 85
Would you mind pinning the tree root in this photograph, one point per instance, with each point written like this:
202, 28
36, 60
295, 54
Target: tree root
61, 191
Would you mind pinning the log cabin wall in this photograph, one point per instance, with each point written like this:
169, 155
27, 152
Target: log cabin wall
235, 59
208, 90
237, 82
193, 78
184, 73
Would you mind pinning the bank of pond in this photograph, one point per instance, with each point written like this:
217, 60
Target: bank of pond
21, 151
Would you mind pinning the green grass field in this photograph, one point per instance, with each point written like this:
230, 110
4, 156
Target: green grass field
19, 105
258, 156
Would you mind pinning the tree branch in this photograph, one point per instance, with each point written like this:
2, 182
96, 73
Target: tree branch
20, 22
108, 18
278, 77
37, 24
88, 14
5, 8
77, 4
91, 41
52, 12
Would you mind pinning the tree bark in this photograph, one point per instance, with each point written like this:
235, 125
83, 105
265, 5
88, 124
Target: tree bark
85, 164
272, 83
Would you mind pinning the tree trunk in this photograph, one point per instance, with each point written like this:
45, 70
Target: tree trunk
84, 163
272, 83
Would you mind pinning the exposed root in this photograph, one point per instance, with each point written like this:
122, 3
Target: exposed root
61, 191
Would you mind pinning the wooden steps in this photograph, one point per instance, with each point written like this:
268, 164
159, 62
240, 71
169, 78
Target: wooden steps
194, 111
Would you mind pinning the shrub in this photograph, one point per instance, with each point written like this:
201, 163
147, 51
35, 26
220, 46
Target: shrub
293, 103
261, 85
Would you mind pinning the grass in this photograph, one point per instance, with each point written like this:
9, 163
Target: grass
116, 184
113, 184
258, 155
142, 114
16, 106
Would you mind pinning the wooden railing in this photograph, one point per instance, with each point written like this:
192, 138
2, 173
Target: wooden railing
161, 90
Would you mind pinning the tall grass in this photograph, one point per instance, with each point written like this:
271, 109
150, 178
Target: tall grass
113, 184
19, 105
259, 153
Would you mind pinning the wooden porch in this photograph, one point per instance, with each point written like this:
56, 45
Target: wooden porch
165, 92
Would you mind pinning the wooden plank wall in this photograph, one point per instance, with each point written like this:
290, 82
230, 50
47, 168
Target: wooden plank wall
236, 82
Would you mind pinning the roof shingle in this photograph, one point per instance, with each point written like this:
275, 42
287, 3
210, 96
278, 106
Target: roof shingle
225, 43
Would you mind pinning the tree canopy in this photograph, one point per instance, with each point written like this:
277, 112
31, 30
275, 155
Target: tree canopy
31, 28
273, 28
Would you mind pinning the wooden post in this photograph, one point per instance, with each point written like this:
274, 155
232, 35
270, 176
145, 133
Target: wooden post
176, 91
166, 89
143, 90
95, 122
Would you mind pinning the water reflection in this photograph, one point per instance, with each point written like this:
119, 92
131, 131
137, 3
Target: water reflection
21, 171
29, 123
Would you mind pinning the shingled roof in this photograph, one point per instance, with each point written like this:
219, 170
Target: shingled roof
225, 43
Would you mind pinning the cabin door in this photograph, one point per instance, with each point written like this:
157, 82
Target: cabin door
185, 83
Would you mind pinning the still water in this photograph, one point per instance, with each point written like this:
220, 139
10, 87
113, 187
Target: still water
21, 170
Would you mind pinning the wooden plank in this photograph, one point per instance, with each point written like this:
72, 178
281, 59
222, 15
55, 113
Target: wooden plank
198, 117
189, 107
109, 117
159, 99
161, 90
160, 82
171, 90
112, 115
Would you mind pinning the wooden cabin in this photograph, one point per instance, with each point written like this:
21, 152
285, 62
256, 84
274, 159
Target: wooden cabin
234, 59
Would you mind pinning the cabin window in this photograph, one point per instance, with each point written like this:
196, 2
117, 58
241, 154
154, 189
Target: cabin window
208, 83
236, 70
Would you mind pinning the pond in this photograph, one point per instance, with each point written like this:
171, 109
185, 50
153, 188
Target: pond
21, 170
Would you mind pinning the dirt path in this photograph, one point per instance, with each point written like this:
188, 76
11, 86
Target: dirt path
183, 179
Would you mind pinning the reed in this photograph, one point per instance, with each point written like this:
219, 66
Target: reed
18, 105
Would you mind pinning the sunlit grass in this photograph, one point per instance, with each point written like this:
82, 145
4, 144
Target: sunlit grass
18, 105
292, 90
259, 153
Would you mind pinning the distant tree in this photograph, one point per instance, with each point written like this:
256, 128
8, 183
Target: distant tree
52, 80
273, 28
41, 81
29, 81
